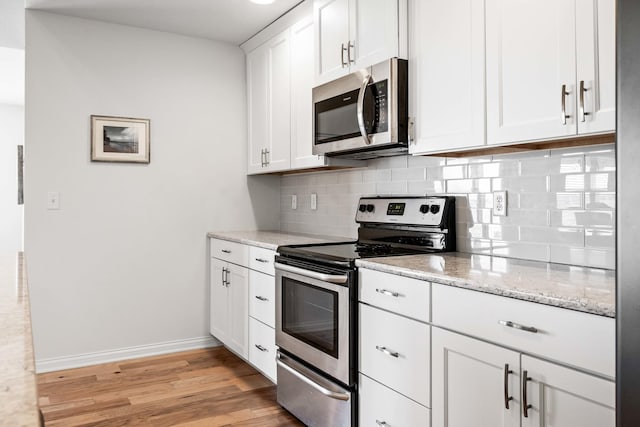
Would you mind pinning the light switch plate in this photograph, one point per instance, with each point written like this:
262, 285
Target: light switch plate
314, 201
500, 203
53, 200
294, 202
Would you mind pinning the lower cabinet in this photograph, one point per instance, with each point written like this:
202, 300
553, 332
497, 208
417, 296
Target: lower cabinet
229, 305
480, 384
381, 406
262, 348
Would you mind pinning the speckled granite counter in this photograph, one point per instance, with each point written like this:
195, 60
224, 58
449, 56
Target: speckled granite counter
273, 239
577, 288
18, 393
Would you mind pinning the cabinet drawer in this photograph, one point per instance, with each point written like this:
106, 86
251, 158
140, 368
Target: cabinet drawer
380, 404
394, 351
262, 294
409, 297
262, 348
233, 252
262, 259
572, 337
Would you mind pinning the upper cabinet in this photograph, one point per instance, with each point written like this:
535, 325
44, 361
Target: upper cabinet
354, 34
268, 91
446, 74
550, 69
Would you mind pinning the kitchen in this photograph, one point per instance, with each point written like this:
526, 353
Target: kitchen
99, 290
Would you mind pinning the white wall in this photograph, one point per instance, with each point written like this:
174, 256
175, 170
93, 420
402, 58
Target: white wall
123, 262
12, 135
561, 203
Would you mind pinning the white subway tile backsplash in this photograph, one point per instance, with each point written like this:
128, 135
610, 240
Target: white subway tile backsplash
561, 202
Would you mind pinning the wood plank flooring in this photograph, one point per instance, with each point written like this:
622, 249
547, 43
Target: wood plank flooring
210, 387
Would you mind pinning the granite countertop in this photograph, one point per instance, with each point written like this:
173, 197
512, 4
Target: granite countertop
18, 392
590, 290
273, 239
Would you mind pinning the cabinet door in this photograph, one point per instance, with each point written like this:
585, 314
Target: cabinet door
530, 56
468, 387
238, 303
331, 24
560, 397
257, 97
218, 301
279, 103
447, 79
301, 100
596, 65
373, 29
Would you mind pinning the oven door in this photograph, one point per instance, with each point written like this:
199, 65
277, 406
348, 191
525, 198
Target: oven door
313, 318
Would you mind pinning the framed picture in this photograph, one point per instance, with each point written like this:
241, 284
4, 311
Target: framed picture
119, 139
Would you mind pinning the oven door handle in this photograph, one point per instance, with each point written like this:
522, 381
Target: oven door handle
329, 393
331, 278
363, 90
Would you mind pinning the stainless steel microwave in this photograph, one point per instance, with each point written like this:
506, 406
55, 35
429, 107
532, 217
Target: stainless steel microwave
364, 114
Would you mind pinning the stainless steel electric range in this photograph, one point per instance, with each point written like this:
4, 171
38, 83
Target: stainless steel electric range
317, 302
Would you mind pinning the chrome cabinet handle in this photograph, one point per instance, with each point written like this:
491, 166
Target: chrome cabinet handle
281, 361
563, 103
262, 158
342, 49
382, 423
266, 157
262, 260
525, 405
225, 251
224, 283
261, 348
386, 292
261, 298
350, 46
507, 398
583, 114
514, 325
226, 277
331, 278
360, 111
387, 351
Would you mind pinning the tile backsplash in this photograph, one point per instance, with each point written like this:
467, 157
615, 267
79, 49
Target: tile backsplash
561, 203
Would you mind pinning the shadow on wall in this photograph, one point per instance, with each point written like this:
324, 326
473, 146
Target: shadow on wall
264, 193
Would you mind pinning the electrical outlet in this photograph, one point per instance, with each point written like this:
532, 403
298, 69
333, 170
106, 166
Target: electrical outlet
314, 201
53, 200
294, 202
500, 203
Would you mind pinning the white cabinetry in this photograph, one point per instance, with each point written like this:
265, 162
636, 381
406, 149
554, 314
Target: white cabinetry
477, 383
242, 302
354, 34
547, 62
229, 305
447, 74
268, 91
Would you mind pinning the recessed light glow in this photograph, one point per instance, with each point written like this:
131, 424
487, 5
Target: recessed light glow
262, 1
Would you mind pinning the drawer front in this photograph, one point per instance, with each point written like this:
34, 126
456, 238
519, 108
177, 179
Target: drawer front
233, 252
394, 351
262, 260
409, 297
380, 405
580, 339
262, 295
262, 348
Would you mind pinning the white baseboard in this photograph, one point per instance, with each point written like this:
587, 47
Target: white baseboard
87, 359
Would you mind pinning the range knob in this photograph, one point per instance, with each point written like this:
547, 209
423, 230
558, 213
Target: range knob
362, 208
435, 209
370, 208
424, 209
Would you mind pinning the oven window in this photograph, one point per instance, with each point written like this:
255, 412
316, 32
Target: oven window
310, 314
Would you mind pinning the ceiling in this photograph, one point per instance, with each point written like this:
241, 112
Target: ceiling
233, 21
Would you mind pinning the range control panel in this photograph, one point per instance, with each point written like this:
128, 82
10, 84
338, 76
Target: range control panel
424, 211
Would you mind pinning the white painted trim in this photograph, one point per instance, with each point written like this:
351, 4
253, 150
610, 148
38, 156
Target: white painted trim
299, 12
87, 359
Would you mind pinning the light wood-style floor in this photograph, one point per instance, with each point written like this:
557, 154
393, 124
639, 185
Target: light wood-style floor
210, 387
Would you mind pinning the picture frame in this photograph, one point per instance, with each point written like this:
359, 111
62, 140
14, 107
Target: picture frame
120, 139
